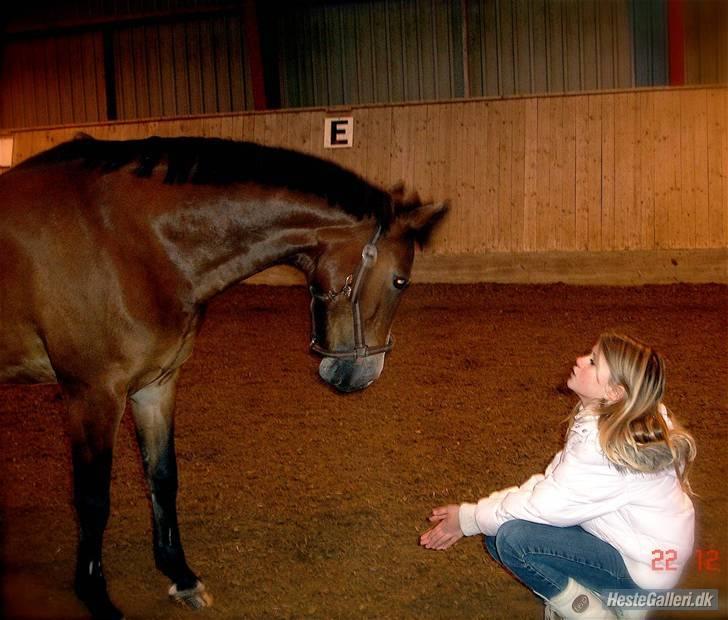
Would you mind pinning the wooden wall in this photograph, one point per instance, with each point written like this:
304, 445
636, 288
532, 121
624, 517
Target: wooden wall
591, 173
178, 68
96, 72
57, 80
90, 61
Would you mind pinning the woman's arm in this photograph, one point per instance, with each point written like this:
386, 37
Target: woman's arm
582, 485
448, 525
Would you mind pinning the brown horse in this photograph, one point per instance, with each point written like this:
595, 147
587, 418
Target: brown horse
110, 252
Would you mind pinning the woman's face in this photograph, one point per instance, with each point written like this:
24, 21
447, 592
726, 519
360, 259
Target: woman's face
589, 378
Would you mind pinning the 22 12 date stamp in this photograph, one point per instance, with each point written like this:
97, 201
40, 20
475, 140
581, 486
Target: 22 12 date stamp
707, 560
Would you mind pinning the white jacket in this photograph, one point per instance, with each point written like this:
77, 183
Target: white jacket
640, 515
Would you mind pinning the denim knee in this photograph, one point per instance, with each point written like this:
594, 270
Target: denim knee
489, 544
511, 539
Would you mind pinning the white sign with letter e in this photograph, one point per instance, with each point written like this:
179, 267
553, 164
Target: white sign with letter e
338, 132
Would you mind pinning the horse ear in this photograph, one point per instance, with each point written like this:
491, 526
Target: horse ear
420, 222
402, 199
82, 135
397, 191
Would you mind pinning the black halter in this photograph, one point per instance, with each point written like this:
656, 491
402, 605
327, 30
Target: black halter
352, 289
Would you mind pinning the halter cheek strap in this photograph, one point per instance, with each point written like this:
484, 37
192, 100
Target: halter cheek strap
352, 288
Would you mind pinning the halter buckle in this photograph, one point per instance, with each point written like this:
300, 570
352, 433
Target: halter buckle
369, 254
346, 289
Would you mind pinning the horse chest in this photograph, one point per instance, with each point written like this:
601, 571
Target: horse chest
174, 354
183, 351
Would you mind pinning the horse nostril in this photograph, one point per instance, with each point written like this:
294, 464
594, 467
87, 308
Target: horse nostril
347, 375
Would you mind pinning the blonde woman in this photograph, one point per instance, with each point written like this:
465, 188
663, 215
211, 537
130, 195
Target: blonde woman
613, 508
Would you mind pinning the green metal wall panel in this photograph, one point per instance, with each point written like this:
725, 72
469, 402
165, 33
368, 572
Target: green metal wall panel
542, 46
363, 52
69, 63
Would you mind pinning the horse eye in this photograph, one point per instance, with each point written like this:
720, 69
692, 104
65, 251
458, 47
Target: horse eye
400, 283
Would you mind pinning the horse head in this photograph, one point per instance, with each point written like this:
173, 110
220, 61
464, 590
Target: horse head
356, 286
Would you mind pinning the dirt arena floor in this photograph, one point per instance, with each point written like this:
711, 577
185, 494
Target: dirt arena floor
296, 502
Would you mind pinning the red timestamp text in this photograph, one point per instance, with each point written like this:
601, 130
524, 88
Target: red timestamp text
706, 560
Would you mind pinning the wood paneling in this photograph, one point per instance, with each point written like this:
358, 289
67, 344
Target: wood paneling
189, 67
52, 81
643, 170
168, 58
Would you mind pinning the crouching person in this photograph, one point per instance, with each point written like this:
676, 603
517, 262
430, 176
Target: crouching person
612, 501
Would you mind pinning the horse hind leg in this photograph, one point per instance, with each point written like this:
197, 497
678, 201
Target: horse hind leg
153, 409
94, 417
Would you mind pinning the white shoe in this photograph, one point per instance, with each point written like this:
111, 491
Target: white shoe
550, 614
576, 602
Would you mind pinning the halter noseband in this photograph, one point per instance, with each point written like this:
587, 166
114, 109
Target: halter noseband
352, 289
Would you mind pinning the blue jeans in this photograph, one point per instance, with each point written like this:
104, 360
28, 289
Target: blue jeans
543, 557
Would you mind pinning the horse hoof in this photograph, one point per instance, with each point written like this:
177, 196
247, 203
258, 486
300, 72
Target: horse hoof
193, 598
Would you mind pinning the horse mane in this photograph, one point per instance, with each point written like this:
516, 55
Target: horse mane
216, 161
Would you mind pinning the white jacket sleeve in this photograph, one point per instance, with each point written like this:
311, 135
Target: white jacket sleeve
468, 522
579, 484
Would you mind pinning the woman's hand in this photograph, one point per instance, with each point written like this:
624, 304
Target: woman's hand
447, 530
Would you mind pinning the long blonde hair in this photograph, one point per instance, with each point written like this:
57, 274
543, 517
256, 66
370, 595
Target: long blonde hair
633, 433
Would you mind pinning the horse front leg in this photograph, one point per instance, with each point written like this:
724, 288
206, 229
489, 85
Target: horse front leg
153, 409
94, 416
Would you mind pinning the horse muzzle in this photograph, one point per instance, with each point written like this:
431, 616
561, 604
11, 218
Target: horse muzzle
351, 374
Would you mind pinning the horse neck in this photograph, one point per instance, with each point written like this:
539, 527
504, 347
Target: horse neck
229, 238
